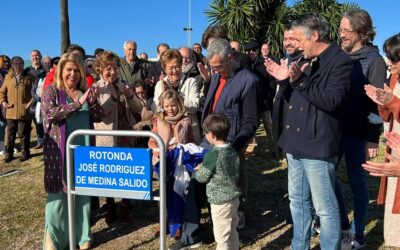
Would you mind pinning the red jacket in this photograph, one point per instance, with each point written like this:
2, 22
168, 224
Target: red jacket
389, 113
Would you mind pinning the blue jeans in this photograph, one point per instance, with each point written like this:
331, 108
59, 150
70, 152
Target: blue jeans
312, 182
353, 150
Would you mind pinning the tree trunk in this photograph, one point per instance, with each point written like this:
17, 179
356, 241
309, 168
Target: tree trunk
65, 39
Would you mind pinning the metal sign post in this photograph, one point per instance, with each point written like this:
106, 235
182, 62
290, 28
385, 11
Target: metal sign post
113, 172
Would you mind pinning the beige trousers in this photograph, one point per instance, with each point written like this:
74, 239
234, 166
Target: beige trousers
225, 221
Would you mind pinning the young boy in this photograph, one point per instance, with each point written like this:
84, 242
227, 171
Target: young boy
220, 170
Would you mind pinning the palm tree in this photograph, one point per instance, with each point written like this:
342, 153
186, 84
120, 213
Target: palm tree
235, 15
65, 38
264, 20
275, 27
330, 9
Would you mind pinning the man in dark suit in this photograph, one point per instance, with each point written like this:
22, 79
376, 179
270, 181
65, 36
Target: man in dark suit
280, 106
316, 93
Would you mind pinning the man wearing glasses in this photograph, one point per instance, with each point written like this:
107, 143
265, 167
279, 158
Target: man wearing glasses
362, 125
233, 93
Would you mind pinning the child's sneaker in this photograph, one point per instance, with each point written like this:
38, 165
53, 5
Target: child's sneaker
179, 245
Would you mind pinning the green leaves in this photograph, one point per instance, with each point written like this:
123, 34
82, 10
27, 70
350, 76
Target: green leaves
264, 20
237, 16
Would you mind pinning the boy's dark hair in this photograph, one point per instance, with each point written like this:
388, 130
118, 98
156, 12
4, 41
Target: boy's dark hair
98, 51
215, 31
73, 47
141, 83
218, 124
54, 61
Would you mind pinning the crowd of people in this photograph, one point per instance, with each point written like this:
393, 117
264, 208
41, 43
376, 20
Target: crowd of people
323, 101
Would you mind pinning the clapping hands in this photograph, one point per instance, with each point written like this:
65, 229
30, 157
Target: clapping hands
379, 96
391, 168
89, 96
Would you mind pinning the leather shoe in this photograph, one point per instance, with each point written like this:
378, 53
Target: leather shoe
38, 146
24, 158
8, 159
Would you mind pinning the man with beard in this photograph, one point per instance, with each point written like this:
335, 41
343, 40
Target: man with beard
190, 69
362, 125
189, 63
280, 105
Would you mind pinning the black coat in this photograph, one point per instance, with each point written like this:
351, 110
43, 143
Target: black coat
313, 125
267, 87
280, 106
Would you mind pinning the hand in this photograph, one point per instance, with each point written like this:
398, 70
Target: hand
280, 72
372, 150
393, 141
84, 97
162, 75
384, 95
197, 168
127, 91
150, 81
92, 95
171, 146
29, 104
5, 105
295, 71
204, 72
377, 95
391, 168
113, 92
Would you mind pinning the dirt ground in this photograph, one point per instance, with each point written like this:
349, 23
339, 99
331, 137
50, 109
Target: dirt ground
22, 202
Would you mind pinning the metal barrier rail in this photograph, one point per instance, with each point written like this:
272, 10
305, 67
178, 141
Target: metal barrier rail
71, 192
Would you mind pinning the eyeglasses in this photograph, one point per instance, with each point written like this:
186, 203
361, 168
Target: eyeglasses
218, 68
89, 66
176, 68
346, 31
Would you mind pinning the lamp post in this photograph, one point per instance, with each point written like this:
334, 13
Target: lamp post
189, 28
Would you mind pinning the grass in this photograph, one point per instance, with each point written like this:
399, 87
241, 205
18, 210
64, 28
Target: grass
22, 202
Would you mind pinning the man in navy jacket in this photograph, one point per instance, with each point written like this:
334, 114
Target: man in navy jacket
316, 93
233, 93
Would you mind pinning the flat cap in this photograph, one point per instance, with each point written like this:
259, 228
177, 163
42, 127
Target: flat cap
251, 46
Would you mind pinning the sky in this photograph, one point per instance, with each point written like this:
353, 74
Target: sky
107, 24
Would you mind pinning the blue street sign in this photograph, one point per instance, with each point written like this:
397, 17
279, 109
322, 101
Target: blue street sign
113, 172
